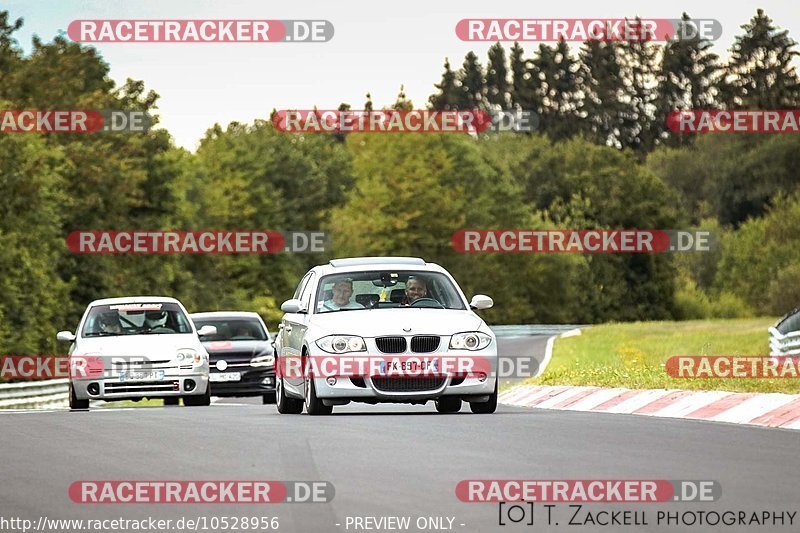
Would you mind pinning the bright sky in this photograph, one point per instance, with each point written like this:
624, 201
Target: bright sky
377, 46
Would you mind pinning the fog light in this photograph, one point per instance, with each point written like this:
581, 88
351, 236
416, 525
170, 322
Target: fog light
93, 389
189, 385
481, 376
266, 381
331, 381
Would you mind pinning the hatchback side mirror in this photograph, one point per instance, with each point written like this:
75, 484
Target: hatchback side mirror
481, 301
65, 336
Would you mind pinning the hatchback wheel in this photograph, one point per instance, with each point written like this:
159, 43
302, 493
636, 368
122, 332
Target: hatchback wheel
195, 401
74, 403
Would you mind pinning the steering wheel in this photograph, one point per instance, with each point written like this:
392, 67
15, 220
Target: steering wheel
427, 301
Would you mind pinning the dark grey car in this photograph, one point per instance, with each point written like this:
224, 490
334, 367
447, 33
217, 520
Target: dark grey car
241, 355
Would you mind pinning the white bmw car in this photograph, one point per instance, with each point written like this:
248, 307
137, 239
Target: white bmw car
384, 329
137, 347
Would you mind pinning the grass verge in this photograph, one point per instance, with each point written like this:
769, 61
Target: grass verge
632, 355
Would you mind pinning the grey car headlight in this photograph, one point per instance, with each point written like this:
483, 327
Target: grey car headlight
263, 361
471, 340
342, 344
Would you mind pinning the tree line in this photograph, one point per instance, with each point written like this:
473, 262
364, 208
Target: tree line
601, 159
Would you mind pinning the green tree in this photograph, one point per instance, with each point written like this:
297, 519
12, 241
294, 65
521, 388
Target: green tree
30, 244
759, 261
472, 83
554, 78
402, 103
639, 131
761, 70
523, 95
449, 95
689, 78
497, 87
602, 88
730, 177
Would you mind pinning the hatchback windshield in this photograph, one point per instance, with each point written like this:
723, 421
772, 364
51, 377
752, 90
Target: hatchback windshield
386, 289
136, 319
233, 329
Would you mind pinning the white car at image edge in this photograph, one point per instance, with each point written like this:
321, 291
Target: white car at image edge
386, 307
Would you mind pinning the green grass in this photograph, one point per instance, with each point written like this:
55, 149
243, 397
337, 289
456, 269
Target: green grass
632, 355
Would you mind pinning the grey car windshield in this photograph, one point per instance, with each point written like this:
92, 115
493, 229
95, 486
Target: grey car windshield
405, 289
136, 319
233, 329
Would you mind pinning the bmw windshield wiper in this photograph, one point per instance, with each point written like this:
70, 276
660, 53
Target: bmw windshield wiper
102, 334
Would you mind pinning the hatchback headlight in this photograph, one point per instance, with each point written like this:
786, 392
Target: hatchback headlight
471, 340
342, 344
188, 355
263, 360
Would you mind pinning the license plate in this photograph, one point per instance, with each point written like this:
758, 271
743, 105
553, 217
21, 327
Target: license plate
408, 367
225, 376
141, 375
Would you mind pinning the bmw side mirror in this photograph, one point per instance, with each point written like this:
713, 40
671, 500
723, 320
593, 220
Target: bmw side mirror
481, 301
207, 330
292, 306
65, 336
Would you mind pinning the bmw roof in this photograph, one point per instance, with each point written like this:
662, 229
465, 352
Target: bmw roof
353, 264
357, 261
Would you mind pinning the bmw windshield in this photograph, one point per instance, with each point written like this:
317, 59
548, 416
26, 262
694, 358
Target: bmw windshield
135, 319
374, 289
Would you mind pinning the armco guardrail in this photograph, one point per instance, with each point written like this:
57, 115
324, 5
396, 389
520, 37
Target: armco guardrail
34, 394
780, 344
784, 336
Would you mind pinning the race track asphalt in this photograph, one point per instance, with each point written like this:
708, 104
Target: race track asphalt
393, 460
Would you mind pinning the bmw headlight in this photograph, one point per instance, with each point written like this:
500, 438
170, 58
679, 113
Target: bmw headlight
342, 344
263, 360
188, 355
471, 340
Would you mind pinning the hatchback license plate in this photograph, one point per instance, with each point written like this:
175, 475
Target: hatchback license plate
141, 375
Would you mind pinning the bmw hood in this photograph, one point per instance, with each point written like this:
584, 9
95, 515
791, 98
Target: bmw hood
406, 321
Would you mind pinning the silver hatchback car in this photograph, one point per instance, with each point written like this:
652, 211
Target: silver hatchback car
384, 329
137, 347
